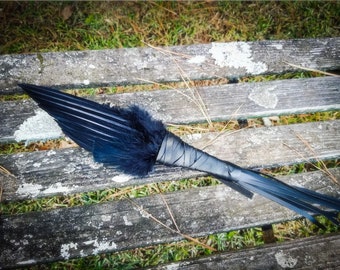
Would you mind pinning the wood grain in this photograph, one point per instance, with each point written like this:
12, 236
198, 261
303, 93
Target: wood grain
197, 62
223, 102
320, 252
120, 225
67, 171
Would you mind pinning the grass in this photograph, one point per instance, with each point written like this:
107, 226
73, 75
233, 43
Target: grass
61, 26
230, 241
41, 26
162, 254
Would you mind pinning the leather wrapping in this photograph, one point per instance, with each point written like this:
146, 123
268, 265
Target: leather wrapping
175, 152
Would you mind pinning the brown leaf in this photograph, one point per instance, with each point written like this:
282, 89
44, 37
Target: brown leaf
66, 12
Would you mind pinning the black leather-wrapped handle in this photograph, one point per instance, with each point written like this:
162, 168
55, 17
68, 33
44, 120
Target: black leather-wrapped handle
175, 152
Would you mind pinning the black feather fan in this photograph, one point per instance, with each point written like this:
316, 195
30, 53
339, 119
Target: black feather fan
132, 141
127, 138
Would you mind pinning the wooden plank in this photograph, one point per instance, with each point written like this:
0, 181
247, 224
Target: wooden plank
222, 103
66, 171
199, 61
321, 252
60, 234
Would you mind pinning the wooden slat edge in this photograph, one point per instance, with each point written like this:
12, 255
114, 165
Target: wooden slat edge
119, 225
244, 100
321, 252
199, 61
67, 171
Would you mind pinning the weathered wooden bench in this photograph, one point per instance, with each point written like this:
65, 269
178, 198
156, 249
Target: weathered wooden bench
65, 233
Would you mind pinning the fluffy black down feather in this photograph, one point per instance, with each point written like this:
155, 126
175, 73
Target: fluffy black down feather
134, 152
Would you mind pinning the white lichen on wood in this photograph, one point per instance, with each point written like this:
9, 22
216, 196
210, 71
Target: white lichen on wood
121, 178
285, 260
65, 249
236, 55
100, 246
198, 59
264, 97
29, 190
41, 126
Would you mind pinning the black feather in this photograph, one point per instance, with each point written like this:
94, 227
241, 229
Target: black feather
127, 138
131, 140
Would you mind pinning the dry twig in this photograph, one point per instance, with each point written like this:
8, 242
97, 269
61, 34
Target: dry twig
188, 237
324, 168
223, 129
4, 171
168, 208
311, 69
196, 97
